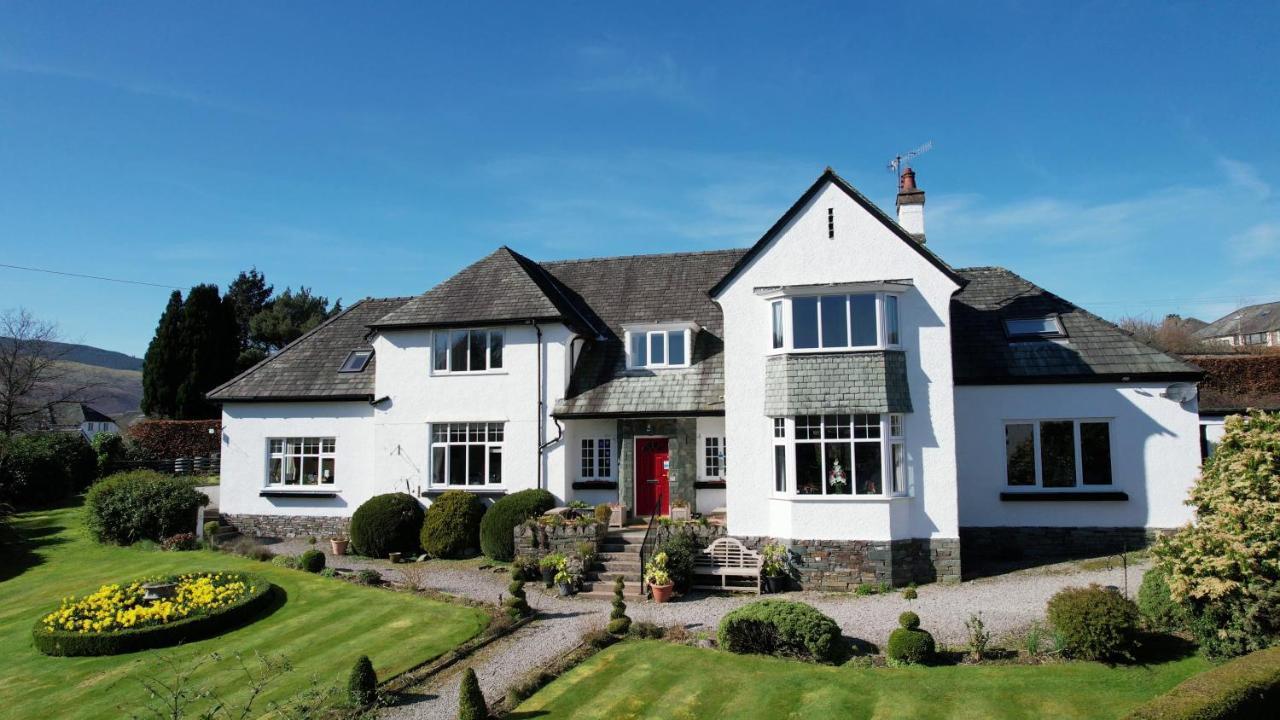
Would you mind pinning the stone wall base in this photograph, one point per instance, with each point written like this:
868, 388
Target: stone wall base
1027, 543
563, 539
842, 565
287, 526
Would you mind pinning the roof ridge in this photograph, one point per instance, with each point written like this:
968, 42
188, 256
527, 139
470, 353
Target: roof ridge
641, 255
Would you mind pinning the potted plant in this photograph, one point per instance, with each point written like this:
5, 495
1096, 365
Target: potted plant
680, 510
394, 557
837, 481
339, 545
549, 564
659, 580
775, 568
565, 578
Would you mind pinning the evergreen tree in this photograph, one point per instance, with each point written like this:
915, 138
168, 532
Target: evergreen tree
619, 623
471, 705
162, 365
362, 683
250, 294
288, 316
209, 350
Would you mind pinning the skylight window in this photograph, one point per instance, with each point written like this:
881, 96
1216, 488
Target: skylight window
356, 361
1030, 328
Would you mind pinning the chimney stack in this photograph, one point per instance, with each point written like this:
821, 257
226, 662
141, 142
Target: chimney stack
911, 205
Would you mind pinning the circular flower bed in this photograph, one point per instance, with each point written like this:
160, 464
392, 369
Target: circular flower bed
122, 618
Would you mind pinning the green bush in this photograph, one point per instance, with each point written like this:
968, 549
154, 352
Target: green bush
498, 526
781, 627
362, 684
682, 550
471, 705
603, 513
909, 620
108, 449
1156, 605
141, 505
368, 576
1221, 568
452, 526
619, 623
525, 567
910, 647
1094, 623
1246, 688
517, 602
211, 528
311, 560
45, 468
285, 561
384, 524
189, 629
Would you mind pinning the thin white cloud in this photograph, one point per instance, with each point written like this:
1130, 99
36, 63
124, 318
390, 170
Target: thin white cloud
612, 70
1245, 176
1262, 241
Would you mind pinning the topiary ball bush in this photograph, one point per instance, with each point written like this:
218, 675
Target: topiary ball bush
499, 523
452, 526
311, 560
781, 627
1095, 623
471, 704
141, 505
910, 646
362, 684
909, 620
1156, 605
385, 524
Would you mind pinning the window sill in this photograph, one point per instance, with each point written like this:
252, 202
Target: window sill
1065, 496
831, 350
595, 485
711, 485
468, 373
473, 489
282, 492
839, 498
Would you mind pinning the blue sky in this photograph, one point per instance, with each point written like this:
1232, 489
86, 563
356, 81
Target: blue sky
1123, 155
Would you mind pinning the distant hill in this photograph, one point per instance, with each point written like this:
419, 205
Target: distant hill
89, 355
116, 378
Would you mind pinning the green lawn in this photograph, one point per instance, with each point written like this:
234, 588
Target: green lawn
641, 679
322, 628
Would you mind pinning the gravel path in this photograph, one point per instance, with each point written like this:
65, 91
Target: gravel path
1009, 604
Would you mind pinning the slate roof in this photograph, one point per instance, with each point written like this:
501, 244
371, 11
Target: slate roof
1235, 383
1093, 351
69, 415
1246, 320
307, 368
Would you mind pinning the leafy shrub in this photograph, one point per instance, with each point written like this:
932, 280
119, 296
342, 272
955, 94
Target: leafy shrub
1222, 568
682, 550
603, 513
250, 548
908, 644
141, 504
598, 639
211, 528
909, 593
452, 526
619, 623
179, 542
328, 573
1246, 687
108, 449
909, 620
781, 627
285, 561
497, 528
1094, 623
979, 635
166, 439
516, 602
368, 576
385, 524
647, 631
525, 567
311, 560
471, 705
362, 683
1156, 605
44, 468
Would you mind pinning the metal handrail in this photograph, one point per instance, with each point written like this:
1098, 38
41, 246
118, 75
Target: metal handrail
650, 540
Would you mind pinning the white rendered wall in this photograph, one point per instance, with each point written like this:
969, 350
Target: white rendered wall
574, 433
510, 396
863, 250
1155, 454
709, 499
246, 427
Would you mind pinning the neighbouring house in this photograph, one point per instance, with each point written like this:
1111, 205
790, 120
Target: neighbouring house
1252, 326
837, 386
1234, 384
70, 416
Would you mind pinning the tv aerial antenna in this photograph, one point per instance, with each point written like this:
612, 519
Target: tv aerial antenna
900, 161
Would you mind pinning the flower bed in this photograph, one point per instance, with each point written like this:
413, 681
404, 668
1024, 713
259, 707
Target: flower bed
118, 619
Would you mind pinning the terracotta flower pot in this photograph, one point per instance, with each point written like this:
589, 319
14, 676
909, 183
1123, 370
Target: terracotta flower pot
662, 593
339, 546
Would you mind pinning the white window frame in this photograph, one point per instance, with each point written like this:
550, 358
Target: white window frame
721, 457
447, 334
788, 323
326, 449
665, 329
1039, 485
464, 434
784, 435
589, 459
780, 442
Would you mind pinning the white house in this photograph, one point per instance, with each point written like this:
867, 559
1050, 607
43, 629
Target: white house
78, 417
837, 387
1254, 326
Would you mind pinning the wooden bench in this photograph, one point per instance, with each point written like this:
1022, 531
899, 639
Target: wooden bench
724, 559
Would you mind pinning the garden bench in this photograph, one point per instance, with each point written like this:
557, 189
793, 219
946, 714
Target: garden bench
724, 559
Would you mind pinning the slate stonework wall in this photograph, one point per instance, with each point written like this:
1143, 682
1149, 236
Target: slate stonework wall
1002, 544
287, 526
842, 565
561, 539
863, 382
682, 448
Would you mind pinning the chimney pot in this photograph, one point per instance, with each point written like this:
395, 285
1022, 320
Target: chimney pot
907, 181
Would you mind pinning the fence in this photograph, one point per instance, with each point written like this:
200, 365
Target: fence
197, 466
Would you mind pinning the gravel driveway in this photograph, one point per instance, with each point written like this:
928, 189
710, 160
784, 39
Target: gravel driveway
1008, 603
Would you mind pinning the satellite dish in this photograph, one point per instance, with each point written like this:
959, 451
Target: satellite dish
1181, 392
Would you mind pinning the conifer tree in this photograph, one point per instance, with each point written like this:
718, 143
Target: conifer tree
162, 365
471, 705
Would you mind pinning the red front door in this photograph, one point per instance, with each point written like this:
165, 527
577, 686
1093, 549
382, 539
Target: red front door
652, 486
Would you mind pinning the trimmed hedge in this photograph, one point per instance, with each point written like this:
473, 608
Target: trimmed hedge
69, 644
908, 644
781, 627
1156, 605
44, 468
165, 439
1246, 688
141, 505
452, 526
385, 524
1095, 623
311, 560
499, 523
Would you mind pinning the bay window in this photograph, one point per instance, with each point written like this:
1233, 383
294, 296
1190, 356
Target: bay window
463, 351
301, 461
854, 321
466, 453
1057, 454
851, 455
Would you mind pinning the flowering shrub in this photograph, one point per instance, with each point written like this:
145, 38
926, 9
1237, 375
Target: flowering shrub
181, 541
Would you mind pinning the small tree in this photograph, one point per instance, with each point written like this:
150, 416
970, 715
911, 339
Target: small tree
288, 316
362, 686
619, 623
1225, 568
516, 602
33, 377
471, 705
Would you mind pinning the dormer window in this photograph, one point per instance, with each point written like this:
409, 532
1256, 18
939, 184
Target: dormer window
659, 346
1035, 328
356, 361
810, 322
